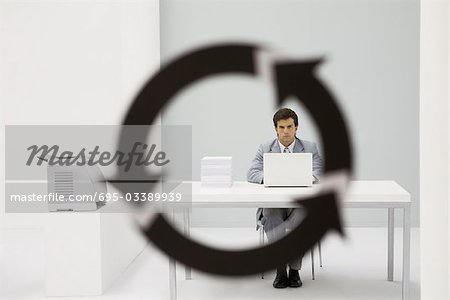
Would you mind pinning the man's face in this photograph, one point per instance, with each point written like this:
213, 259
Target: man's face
286, 131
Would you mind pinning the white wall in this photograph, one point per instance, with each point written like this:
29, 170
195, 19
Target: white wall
435, 149
372, 65
72, 62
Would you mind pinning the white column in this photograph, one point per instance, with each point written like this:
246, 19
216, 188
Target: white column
434, 149
76, 62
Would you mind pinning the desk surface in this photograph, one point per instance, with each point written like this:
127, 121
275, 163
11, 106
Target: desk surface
245, 194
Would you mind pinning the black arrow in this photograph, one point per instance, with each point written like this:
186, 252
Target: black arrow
297, 79
173, 78
292, 79
321, 215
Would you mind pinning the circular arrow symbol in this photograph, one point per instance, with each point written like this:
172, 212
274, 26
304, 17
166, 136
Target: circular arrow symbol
293, 78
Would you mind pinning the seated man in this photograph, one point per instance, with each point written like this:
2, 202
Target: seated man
278, 220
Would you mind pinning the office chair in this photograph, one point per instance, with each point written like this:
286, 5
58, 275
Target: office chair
261, 243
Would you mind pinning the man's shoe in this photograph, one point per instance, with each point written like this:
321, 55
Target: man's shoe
281, 280
294, 279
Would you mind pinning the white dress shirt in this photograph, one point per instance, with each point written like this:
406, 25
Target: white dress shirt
290, 147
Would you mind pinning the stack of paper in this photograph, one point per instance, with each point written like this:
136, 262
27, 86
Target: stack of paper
215, 171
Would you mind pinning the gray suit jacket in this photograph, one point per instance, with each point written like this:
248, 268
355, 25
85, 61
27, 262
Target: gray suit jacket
255, 173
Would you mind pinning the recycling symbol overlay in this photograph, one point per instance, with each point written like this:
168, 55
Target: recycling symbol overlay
290, 78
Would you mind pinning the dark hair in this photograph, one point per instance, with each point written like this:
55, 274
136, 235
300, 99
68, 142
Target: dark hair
284, 114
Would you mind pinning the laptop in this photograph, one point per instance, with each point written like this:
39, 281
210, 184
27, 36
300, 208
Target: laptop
288, 169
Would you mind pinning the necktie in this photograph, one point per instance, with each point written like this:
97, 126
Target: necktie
286, 150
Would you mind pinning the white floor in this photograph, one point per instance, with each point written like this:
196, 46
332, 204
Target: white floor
353, 268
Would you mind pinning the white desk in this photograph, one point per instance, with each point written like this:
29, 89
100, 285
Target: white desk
361, 194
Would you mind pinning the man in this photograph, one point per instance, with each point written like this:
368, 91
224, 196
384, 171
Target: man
279, 220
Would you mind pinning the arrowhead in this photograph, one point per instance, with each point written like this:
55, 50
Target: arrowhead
321, 216
288, 76
323, 211
297, 79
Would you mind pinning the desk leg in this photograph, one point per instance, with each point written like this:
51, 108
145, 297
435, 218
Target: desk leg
172, 271
172, 279
390, 275
187, 232
406, 249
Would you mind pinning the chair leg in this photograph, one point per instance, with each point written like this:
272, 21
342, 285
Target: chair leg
261, 243
320, 255
262, 234
261, 237
312, 263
